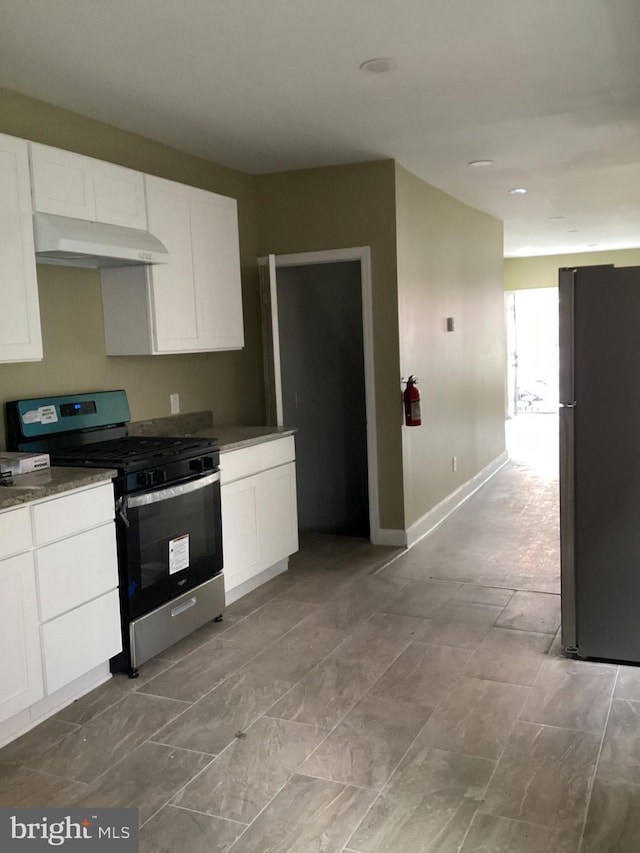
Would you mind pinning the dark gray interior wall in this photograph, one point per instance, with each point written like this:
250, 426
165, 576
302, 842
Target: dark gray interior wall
321, 351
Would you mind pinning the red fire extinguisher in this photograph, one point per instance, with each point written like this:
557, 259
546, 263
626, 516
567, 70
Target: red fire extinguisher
411, 398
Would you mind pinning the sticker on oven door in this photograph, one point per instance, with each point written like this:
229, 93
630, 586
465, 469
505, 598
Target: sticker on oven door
43, 415
178, 554
48, 415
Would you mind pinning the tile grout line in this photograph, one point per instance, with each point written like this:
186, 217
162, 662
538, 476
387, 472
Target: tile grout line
397, 765
179, 791
330, 731
597, 762
194, 811
495, 769
265, 714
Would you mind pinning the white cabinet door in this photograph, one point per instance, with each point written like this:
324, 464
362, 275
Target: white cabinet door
240, 542
15, 531
20, 336
70, 184
173, 296
194, 302
80, 640
119, 195
20, 665
62, 182
216, 267
277, 514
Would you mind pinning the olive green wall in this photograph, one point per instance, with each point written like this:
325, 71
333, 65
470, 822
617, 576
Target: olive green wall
334, 208
229, 383
448, 260
449, 265
527, 273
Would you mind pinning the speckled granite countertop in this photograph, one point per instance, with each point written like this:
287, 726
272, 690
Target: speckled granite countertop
235, 437
48, 482
200, 425
55, 481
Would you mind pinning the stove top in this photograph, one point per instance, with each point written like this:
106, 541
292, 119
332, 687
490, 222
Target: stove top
132, 451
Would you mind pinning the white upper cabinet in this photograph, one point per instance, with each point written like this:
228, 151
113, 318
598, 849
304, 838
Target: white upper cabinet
119, 195
172, 285
217, 261
194, 302
20, 336
70, 184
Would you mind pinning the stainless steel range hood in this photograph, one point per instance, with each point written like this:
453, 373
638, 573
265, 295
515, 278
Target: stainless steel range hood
77, 243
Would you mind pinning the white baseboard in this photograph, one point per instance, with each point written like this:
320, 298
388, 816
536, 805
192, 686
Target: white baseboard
23, 721
432, 519
452, 502
391, 536
237, 592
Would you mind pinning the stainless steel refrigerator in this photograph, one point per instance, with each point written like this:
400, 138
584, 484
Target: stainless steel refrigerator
600, 461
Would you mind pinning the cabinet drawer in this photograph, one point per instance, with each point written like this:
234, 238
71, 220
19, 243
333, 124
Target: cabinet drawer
72, 513
15, 531
273, 453
235, 464
75, 570
80, 640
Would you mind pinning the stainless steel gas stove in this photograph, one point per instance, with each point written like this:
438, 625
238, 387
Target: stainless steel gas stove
167, 509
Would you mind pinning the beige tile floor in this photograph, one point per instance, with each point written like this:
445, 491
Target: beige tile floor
370, 704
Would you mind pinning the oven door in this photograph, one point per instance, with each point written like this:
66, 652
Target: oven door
170, 540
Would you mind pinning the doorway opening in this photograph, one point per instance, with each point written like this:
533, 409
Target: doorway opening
532, 379
319, 379
532, 350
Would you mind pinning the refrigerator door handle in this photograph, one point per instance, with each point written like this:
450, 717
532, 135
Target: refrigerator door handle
567, 529
566, 309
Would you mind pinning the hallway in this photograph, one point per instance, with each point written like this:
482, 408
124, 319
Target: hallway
354, 704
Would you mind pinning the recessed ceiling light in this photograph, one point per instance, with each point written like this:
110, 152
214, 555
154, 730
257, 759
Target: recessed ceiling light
518, 191
479, 162
555, 218
380, 65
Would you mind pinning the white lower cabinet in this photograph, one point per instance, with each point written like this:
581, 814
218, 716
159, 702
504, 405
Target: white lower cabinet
20, 663
259, 512
59, 603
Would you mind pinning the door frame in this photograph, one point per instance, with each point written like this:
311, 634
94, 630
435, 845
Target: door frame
511, 341
273, 377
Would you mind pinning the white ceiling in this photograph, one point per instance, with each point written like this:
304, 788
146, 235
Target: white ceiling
547, 89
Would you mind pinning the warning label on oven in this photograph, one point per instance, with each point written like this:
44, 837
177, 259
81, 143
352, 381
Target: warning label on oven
178, 554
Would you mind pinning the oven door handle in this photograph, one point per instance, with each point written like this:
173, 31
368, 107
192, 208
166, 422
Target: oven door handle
172, 491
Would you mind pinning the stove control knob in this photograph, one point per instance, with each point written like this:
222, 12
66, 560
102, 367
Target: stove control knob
159, 477
209, 463
145, 479
197, 465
